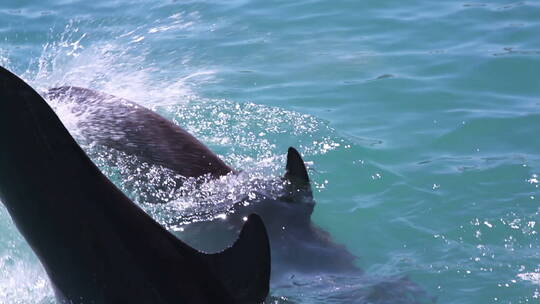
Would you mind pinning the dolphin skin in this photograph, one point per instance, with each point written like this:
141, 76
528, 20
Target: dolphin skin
131, 128
94, 243
297, 244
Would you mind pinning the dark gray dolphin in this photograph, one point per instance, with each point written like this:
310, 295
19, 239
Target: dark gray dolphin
95, 244
297, 243
131, 128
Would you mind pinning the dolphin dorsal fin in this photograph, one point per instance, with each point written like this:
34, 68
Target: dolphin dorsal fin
298, 187
295, 170
244, 268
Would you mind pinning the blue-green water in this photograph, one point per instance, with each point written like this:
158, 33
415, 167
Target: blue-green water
419, 120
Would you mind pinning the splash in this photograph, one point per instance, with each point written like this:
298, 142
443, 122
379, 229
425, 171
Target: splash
247, 135
23, 282
237, 126
174, 200
22, 279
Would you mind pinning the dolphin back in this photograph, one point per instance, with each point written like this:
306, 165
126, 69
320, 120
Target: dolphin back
131, 128
96, 245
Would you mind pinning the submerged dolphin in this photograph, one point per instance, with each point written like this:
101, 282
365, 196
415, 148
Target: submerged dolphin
94, 243
298, 245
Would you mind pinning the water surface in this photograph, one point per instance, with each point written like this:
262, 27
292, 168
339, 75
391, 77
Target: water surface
419, 121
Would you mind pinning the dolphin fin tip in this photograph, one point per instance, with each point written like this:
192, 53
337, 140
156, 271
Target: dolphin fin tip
244, 268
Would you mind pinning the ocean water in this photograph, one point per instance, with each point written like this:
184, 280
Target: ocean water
419, 121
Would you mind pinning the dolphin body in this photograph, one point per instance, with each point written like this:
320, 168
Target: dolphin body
131, 128
297, 244
94, 243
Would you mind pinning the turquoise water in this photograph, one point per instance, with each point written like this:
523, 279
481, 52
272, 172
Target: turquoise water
419, 120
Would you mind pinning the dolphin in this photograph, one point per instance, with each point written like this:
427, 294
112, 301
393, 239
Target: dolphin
95, 244
297, 244
131, 128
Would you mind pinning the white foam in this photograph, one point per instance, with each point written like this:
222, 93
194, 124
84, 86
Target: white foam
23, 282
533, 277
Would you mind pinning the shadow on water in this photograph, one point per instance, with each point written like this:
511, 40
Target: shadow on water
327, 288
